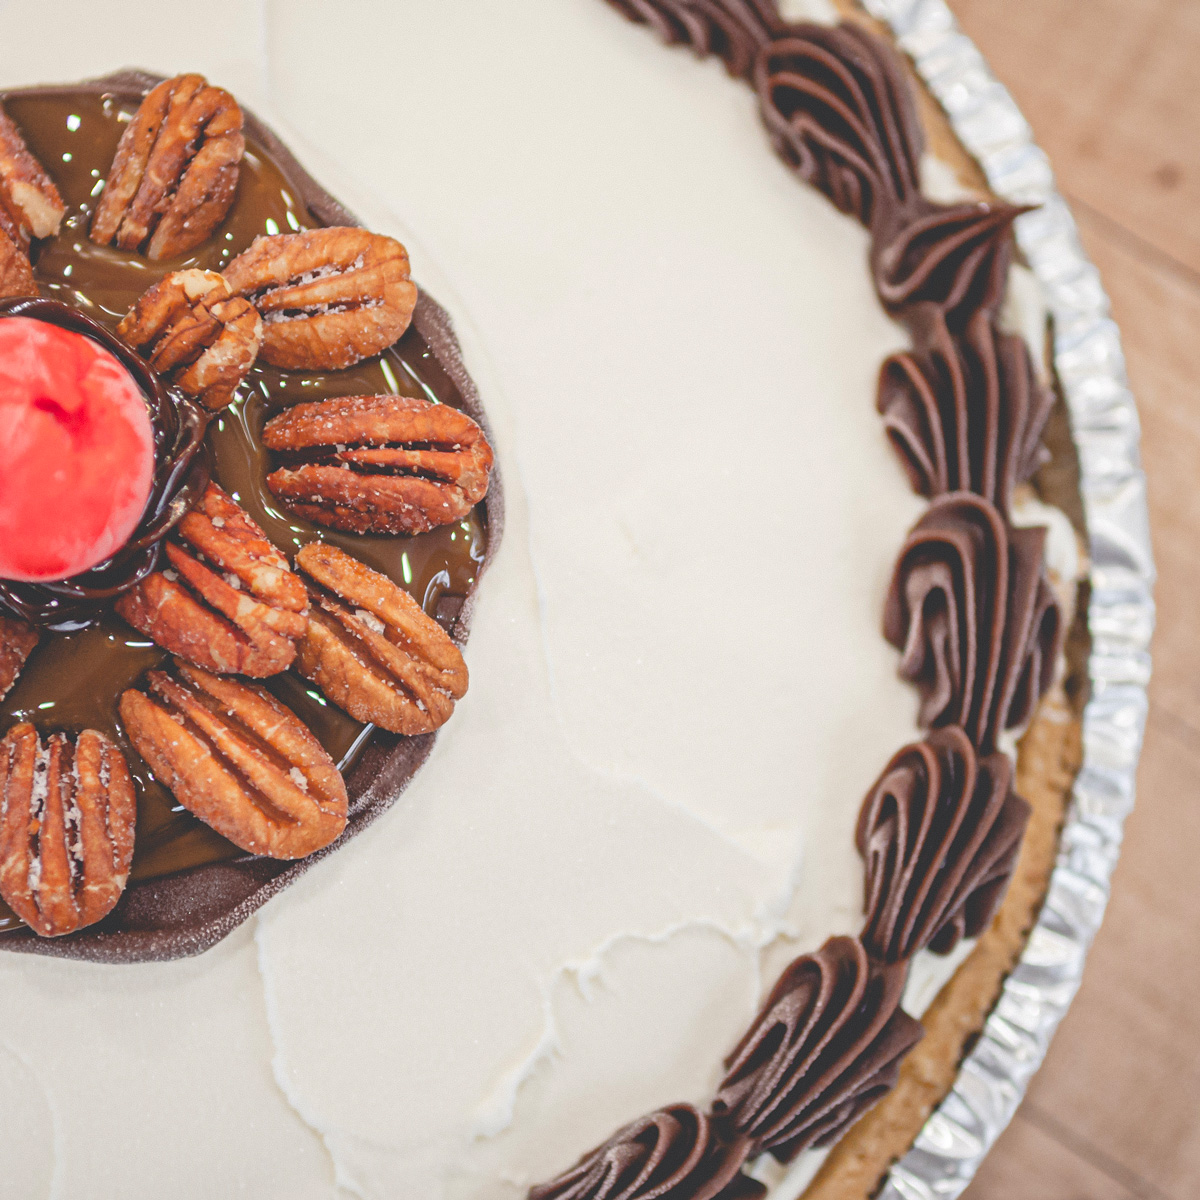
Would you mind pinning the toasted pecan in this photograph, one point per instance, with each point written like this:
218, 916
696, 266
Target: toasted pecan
67, 814
175, 171
17, 640
228, 600
196, 334
239, 760
30, 206
328, 297
16, 271
371, 648
378, 464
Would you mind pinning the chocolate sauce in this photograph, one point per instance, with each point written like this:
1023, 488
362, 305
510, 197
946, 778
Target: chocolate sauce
74, 679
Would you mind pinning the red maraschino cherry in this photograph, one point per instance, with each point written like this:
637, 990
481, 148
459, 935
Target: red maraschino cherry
76, 452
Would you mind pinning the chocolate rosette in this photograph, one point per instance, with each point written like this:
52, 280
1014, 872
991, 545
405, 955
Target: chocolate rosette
826, 1045
672, 1154
837, 107
731, 30
956, 256
976, 621
938, 833
180, 476
964, 412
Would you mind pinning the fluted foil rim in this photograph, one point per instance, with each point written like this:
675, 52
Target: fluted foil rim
1091, 369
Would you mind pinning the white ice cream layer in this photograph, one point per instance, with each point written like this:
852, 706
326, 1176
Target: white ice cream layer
679, 689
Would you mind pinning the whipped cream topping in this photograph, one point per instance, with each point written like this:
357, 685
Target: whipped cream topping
680, 693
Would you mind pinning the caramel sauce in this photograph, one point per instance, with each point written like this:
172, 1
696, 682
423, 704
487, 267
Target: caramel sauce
73, 680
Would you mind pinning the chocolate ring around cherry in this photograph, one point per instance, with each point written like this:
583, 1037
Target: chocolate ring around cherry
180, 476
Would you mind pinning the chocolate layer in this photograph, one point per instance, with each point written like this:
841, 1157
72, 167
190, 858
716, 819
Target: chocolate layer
189, 887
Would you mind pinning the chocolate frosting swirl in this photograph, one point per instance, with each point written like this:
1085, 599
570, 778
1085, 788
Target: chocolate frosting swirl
953, 255
966, 411
732, 30
938, 833
837, 107
180, 476
826, 1045
672, 1154
977, 622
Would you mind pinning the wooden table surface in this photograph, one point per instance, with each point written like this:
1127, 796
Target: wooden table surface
1112, 90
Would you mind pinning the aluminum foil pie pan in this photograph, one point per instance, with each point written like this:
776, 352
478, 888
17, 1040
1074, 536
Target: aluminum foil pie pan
1120, 609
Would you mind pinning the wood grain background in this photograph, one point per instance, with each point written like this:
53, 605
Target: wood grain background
1112, 90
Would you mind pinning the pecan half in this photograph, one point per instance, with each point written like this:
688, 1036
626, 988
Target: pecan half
17, 640
30, 206
66, 829
378, 464
175, 171
328, 297
371, 648
16, 271
239, 760
194, 332
228, 600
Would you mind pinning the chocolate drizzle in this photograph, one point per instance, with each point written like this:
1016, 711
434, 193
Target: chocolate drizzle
974, 617
180, 476
826, 1045
672, 1154
837, 108
938, 834
965, 412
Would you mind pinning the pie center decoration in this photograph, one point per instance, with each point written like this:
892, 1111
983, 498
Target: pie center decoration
244, 503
